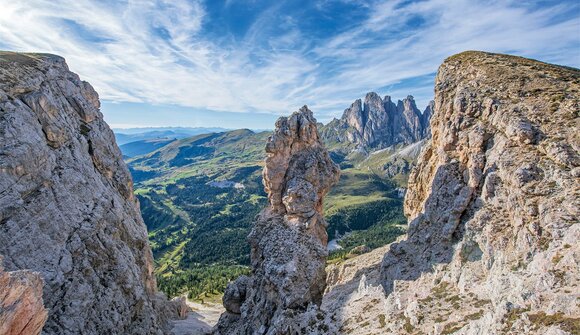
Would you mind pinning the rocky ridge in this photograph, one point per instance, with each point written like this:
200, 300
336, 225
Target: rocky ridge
288, 241
493, 213
505, 165
379, 123
67, 210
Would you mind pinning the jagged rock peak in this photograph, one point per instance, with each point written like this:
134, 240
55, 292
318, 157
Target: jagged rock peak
379, 123
67, 209
409, 104
299, 171
288, 240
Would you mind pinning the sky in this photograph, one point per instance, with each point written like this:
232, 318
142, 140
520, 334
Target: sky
243, 63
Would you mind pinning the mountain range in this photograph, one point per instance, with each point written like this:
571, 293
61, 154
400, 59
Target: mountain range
376, 124
126, 135
200, 194
488, 243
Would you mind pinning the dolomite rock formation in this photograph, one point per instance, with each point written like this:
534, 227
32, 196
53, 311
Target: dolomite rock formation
21, 308
493, 209
379, 123
288, 241
67, 209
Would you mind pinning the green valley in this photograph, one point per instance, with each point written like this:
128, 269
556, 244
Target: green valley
199, 197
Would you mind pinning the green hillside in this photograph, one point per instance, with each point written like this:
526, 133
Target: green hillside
143, 147
199, 197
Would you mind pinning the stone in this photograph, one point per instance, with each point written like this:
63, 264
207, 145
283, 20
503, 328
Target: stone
22, 310
474, 199
67, 210
492, 205
288, 240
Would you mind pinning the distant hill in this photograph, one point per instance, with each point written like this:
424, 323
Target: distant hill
142, 147
123, 136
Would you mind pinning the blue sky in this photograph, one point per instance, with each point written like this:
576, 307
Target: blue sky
243, 63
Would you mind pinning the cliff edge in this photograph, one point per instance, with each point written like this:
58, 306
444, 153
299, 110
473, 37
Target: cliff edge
67, 210
493, 209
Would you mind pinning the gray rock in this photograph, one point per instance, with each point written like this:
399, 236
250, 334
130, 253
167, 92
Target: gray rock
288, 241
379, 123
67, 209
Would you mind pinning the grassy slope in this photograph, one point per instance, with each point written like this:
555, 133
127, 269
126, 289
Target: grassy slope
198, 231
143, 147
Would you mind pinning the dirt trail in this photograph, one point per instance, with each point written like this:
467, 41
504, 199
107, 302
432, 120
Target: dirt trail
200, 320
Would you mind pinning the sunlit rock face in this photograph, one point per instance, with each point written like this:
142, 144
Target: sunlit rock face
493, 207
288, 241
67, 209
379, 123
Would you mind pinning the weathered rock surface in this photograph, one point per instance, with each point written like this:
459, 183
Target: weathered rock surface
493, 206
288, 241
67, 209
21, 308
378, 123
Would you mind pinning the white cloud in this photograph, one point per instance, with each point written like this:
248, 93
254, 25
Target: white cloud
154, 51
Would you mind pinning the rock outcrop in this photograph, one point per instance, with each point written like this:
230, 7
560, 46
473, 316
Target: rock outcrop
67, 209
288, 241
493, 207
21, 307
379, 123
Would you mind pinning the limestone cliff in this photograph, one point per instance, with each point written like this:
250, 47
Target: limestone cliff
288, 241
493, 209
378, 123
67, 209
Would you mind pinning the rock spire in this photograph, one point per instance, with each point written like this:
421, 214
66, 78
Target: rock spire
288, 241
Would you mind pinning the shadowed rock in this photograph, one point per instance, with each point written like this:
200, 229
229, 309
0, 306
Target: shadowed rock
67, 209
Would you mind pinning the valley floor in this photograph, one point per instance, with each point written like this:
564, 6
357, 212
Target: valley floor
200, 319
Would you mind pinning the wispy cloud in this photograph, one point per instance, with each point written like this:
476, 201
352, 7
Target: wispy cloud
157, 51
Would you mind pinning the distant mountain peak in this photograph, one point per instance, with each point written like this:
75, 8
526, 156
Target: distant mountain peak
379, 123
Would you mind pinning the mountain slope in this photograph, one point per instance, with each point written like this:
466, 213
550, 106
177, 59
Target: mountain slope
199, 196
123, 136
143, 147
492, 208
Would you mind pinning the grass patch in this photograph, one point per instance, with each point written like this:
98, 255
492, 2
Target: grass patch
565, 323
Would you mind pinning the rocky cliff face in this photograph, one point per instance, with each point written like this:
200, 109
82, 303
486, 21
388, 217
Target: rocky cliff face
288, 241
493, 208
379, 123
67, 209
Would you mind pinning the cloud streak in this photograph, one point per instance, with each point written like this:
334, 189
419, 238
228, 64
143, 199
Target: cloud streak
158, 51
